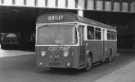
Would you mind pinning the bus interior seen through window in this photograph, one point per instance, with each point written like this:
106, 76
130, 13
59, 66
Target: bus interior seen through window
90, 32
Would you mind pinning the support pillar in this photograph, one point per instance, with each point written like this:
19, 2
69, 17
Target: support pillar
80, 13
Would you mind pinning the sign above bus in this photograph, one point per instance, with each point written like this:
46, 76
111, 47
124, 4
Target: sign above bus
56, 18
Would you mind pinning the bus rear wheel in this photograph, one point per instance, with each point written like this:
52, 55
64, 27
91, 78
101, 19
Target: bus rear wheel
110, 57
89, 64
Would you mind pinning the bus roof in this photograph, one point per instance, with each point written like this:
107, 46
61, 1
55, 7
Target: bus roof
69, 17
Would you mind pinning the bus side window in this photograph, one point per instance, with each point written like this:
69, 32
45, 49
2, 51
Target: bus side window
98, 33
111, 35
114, 35
81, 27
76, 39
90, 32
108, 35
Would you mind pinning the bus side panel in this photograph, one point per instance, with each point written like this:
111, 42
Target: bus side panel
110, 47
96, 49
76, 61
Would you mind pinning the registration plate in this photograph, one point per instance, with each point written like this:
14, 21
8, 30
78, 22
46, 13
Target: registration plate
54, 63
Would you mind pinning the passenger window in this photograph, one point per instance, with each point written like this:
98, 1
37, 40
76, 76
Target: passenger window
111, 35
114, 35
98, 33
76, 39
90, 32
108, 35
81, 32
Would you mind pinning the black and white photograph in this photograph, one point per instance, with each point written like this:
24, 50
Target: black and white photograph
67, 40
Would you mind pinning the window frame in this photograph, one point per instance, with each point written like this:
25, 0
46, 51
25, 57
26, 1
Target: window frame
113, 35
101, 33
98, 31
93, 37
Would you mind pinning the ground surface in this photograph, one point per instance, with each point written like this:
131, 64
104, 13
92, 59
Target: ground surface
22, 68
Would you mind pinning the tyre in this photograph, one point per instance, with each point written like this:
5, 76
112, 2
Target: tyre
89, 64
110, 57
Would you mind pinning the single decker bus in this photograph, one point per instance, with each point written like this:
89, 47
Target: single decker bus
66, 40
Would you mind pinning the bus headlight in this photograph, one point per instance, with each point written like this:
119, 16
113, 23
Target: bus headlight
66, 54
43, 53
40, 63
68, 64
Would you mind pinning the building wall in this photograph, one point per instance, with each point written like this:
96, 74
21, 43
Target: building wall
127, 6
131, 31
126, 34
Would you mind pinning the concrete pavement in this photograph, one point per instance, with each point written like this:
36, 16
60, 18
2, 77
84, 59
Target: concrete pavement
124, 74
8, 53
22, 69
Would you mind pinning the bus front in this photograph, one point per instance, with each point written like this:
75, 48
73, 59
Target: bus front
56, 45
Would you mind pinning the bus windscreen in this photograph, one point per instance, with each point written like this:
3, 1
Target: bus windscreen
57, 34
